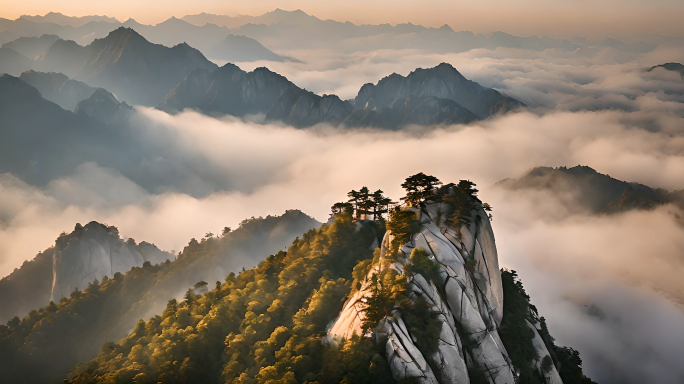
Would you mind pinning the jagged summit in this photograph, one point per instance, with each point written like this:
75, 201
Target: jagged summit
136, 70
441, 82
123, 35
439, 95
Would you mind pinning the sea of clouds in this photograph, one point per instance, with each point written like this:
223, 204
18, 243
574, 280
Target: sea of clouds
609, 286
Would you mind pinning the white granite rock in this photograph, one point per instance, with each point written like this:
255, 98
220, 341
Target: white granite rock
467, 300
552, 376
94, 251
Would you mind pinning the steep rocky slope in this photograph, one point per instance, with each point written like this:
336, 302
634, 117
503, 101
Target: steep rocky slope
93, 251
426, 303
464, 292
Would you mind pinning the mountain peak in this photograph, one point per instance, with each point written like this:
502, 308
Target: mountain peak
446, 28
123, 31
103, 105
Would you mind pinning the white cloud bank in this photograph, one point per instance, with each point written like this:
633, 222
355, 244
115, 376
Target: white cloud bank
625, 265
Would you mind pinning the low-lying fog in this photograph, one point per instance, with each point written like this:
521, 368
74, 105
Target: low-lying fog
608, 285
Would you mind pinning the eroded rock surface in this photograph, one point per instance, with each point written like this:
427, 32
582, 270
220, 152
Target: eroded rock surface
465, 295
94, 251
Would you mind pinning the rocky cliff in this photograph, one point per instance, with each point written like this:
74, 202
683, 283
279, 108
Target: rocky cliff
94, 251
463, 291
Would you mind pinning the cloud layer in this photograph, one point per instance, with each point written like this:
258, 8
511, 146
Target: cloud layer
609, 285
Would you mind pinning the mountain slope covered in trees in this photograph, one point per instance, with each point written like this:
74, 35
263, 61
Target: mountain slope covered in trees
43, 346
266, 324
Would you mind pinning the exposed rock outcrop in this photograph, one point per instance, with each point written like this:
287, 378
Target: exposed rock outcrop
94, 251
465, 295
544, 363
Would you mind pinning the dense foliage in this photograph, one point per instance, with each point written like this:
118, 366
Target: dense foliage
517, 338
266, 324
43, 346
262, 326
28, 287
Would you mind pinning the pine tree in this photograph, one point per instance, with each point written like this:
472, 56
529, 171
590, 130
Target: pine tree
418, 188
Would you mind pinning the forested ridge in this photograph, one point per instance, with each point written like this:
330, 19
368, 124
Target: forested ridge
266, 325
43, 346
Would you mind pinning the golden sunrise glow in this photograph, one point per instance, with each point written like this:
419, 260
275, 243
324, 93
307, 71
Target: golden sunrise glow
556, 18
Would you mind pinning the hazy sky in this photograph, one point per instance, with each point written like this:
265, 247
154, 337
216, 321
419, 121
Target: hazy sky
558, 18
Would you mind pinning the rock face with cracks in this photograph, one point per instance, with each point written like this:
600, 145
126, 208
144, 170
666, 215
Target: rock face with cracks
465, 295
94, 251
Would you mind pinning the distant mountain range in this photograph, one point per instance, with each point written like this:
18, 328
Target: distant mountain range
124, 62
42, 139
32, 39
288, 30
582, 186
135, 70
439, 95
39, 140
139, 72
32, 47
67, 21
142, 73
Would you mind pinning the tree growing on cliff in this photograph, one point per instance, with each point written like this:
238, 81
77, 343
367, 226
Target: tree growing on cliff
338, 208
463, 201
380, 205
418, 188
362, 204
